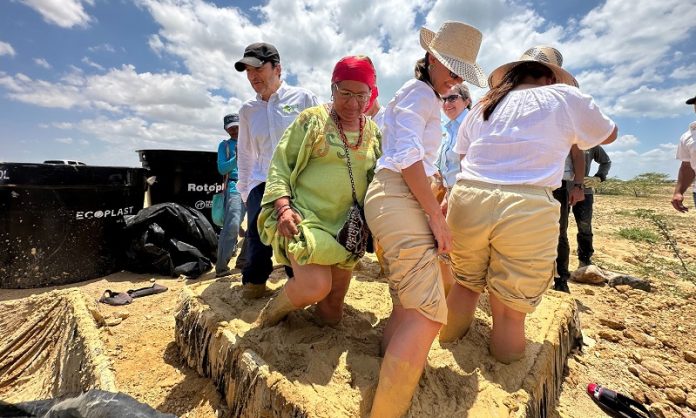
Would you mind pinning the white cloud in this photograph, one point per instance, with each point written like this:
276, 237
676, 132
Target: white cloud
623, 142
66, 140
42, 63
685, 72
651, 102
64, 13
630, 163
92, 64
629, 68
106, 47
6, 49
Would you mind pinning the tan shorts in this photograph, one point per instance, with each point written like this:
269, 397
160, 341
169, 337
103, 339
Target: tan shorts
505, 237
401, 229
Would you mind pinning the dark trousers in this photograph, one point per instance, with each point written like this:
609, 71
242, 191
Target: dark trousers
563, 249
582, 211
258, 265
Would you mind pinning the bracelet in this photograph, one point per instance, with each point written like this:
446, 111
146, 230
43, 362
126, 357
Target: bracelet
579, 185
282, 210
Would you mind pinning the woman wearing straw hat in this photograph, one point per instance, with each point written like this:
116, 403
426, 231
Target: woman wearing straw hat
502, 213
404, 216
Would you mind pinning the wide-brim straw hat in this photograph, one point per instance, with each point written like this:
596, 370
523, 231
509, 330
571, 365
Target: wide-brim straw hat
456, 45
546, 55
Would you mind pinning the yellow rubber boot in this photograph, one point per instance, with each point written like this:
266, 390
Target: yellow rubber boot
398, 380
275, 310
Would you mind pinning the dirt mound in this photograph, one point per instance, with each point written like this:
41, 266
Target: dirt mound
50, 347
300, 368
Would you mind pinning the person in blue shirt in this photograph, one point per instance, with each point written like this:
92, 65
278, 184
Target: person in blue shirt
455, 105
234, 208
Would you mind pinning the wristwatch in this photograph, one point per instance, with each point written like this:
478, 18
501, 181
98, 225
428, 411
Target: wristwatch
580, 185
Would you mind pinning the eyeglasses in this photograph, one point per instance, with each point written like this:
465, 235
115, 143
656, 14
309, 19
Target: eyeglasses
451, 98
347, 95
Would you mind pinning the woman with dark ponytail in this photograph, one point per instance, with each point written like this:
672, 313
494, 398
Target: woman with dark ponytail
404, 216
502, 213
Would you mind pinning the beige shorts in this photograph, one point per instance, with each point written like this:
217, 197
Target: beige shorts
505, 238
401, 229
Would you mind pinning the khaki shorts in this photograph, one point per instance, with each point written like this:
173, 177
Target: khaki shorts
401, 229
505, 238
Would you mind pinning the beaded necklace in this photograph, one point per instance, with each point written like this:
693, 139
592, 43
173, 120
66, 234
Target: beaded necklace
337, 121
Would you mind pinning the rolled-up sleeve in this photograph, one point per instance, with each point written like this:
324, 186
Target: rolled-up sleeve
408, 122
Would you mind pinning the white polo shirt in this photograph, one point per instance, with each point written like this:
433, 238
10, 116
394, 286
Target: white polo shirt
686, 150
261, 125
527, 138
411, 129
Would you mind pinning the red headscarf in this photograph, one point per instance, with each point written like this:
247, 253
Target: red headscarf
357, 68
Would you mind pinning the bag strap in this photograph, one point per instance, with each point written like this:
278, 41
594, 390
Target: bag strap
350, 167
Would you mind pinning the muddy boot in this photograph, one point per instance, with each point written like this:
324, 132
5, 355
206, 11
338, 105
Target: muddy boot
275, 310
457, 326
398, 380
560, 284
253, 291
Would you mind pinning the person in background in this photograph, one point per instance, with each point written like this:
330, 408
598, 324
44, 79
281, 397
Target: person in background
568, 195
502, 213
582, 211
404, 216
309, 191
262, 121
686, 153
455, 105
234, 208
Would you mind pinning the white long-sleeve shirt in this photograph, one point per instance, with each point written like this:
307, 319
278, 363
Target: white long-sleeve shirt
261, 125
411, 129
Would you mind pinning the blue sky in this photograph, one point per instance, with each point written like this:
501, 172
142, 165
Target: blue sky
95, 80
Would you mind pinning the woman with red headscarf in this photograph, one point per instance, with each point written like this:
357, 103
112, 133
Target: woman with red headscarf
325, 158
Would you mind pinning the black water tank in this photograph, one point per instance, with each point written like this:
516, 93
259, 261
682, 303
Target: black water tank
186, 177
62, 224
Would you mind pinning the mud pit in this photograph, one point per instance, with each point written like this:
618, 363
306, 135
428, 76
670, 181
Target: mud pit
301, 369
50, 347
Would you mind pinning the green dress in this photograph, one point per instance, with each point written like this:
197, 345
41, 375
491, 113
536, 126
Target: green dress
310, 166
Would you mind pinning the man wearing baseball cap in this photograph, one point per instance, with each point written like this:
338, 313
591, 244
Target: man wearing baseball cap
234, 209
686, 153
262, 121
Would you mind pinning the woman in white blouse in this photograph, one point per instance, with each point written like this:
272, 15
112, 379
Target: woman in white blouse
502, 213
404, 216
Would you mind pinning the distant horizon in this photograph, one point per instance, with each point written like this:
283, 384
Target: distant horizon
78, 83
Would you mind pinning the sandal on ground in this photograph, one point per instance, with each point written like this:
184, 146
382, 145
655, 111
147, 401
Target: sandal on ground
145, 291
115, 298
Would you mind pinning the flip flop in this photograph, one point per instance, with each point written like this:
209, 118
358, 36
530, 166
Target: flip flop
115, 298
145, 291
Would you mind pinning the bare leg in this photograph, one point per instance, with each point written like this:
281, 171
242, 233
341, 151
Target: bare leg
507, 337
403, 364
330, 309
312, 283
395, 319
461, 307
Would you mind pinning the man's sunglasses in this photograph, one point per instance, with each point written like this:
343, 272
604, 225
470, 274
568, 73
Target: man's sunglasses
451, 98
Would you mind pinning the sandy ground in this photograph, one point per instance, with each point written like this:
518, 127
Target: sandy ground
638, 343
